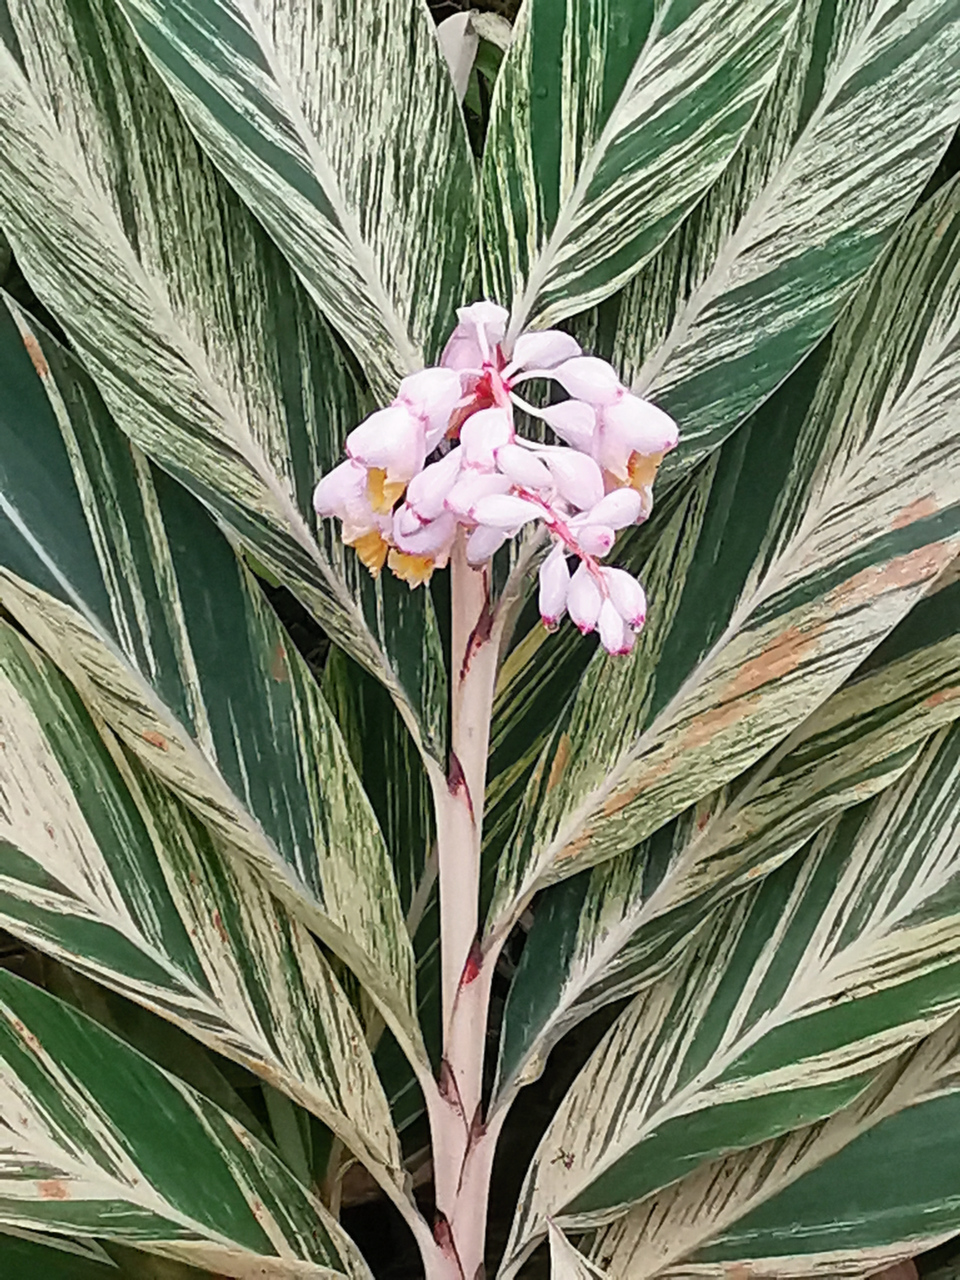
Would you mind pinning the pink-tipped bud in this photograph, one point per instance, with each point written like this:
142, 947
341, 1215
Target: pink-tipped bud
431, 395
505, 511
544, 350
428, 491
483, 543
596, 539
392, 440
642, 427
482, 435
615, 636
554, 585
618, 509
434, 539
584, 600
589, 378
577, 477
574, 422
523, 467
627, 596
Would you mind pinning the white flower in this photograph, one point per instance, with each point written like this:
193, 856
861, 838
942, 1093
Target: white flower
629, 427
523, 467
427, 492
504, 511
476, 337
482, 435
577, 477
431, 395
543, 350
626, 595
392, 440
574, 422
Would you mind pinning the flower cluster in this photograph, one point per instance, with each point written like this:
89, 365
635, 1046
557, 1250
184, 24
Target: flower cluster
397, 508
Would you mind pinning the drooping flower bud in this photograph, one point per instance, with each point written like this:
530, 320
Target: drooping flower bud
482, 435
615, 636
627, 596
484, 542
577, 477
630, 429
523, 467
481, 325
596, 539
543, 350
584, 599
504, 511
619, 509
554, 585
471, 486
574, 422
431, 395
428, 491
590, 379
391, 441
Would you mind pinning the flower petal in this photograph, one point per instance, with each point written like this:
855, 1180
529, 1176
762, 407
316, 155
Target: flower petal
483, 543
505, 511
432, 395
618, 509
596, 539
574, 422
428, 491
482, 434
576, 475
627, 596
391, 439
523, 467
543, 350
613, 630
641, 426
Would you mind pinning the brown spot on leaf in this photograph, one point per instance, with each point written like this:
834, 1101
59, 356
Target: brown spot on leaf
53, 1189
218, 925
559, 762
278, 665
913, 567
37, 358
28, 1038
915, 511
941, 696
155, 739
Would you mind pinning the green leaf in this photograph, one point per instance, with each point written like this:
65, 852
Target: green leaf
840, 1196
603, 935
342, 133
28, 1253
760, 271
100, 1142
209, 354
800, 545
125, 581
795, 993
609, 123
106, 871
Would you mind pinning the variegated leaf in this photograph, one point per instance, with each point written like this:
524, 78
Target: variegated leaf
610, 121
105, 870
210, 356
29, 1253
86, 1150
801, 545
858, 1186
605, 934
566, 1262
126, 582
339, 126
759, 272
795, 993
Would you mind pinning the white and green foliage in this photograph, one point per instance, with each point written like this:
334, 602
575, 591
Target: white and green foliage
249, 820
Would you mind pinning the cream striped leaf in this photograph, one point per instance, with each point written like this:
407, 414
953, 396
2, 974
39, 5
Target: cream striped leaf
208, 353
794, 995
338, 125
105, 870
854, 1186
86, 1151
762, 268
566, 1262
125, 581
605, 934
802, 546
610, 121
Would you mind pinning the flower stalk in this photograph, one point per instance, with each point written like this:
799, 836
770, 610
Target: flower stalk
443, 476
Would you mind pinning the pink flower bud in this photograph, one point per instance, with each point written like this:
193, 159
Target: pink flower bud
392, 440
471, 487
577, 477
584, 600
505, 511
406, 521
523, 467
340, 488
618, 509
464, 350
574, 422
428, 491
431, 395
615, 636
554, 585
482, 434
627, 596
596, 539
483, 543
433, 539
590, 379
543, 350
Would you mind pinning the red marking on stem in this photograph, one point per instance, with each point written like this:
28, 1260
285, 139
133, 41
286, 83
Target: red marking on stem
480, 633
473, 964
457, 782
